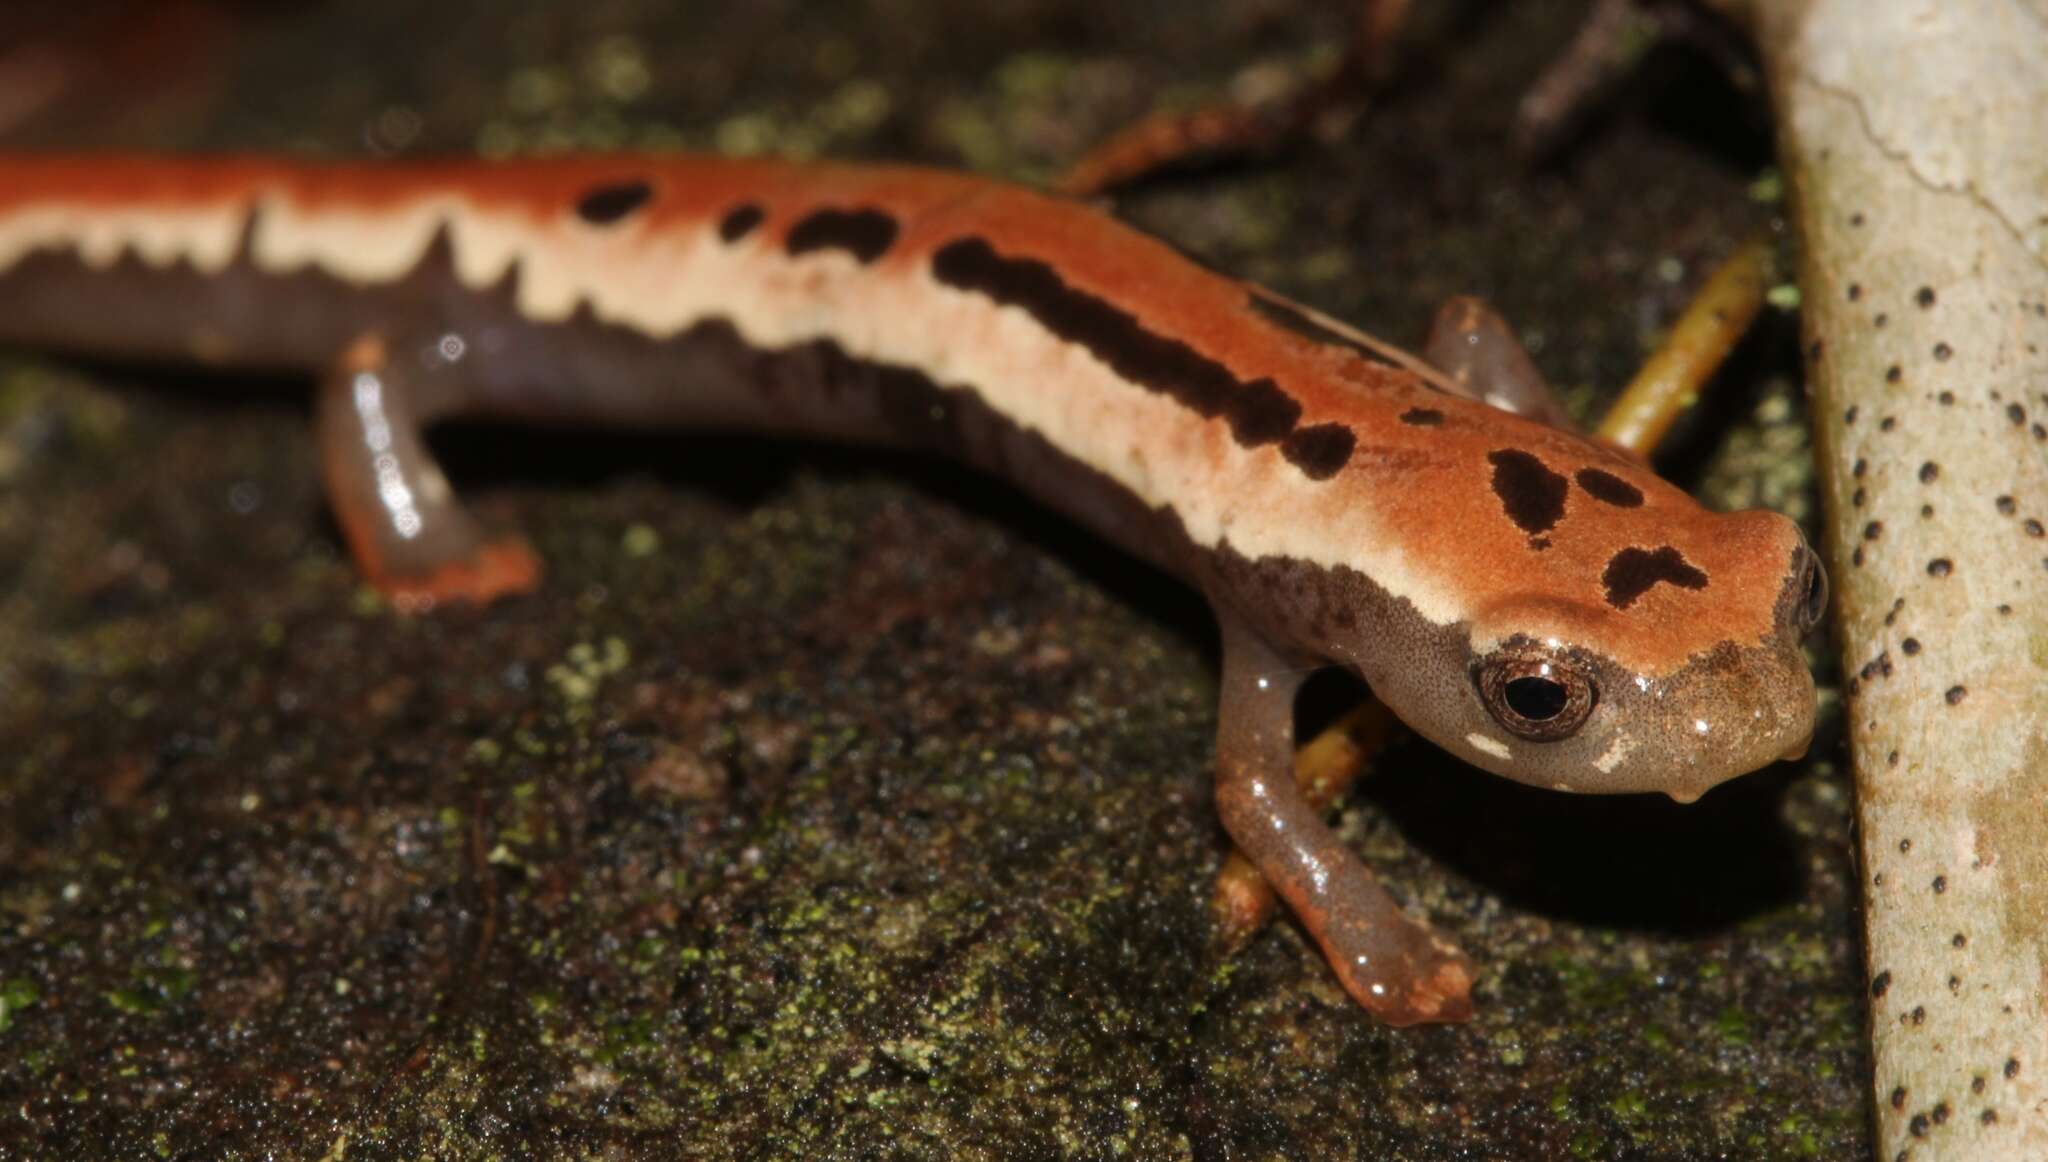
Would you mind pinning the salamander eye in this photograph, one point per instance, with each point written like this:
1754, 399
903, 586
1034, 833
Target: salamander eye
1534, 697
1813, 590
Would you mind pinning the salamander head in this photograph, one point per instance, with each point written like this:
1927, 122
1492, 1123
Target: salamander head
1676, 666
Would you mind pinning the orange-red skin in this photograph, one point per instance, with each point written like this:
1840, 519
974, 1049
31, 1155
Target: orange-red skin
1417, 516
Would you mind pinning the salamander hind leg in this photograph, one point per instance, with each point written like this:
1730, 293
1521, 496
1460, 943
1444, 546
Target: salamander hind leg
1400, 969
409, 535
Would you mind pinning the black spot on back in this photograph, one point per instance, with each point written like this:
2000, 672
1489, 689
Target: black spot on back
1423, 417
613, 202
1609, 488
1258, 411
866, 234
1284, 316
1531, 494
1261, 413
1633, 571
1319, 450
739, 222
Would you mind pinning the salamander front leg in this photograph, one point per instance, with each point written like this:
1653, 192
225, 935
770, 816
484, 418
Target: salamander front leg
1394, 965
1474, 346
410, 536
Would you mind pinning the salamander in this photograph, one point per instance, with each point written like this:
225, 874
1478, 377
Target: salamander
1537, 604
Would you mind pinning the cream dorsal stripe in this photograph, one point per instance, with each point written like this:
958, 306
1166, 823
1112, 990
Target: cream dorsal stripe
969, 314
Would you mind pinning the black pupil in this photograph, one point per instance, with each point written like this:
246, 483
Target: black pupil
1536, 699
1816, 593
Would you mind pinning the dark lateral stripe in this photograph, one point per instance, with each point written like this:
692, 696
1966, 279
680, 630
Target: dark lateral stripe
1286, 317
1319, 450
1423, 418
866, 234
613, 202
1633, 571
739, 222
1259, 412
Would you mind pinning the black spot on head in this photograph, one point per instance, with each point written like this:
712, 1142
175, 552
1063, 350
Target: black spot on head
1423, 417
866, 234
1319, 450
1608, 488
1531, 493
1632, 572
614, 201
739, 222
